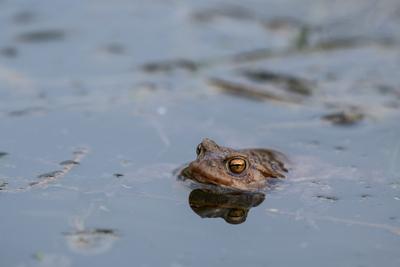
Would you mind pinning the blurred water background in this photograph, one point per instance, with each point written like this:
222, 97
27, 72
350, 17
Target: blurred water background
100, 101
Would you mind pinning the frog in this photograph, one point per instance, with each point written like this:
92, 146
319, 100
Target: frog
249, 169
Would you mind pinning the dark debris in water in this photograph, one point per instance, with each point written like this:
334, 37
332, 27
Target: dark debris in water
93, 232
283, 24
366, 196
9, 52
344, 118
249, 92
41, 36
105, 231
49, 174
91, 241
24, 17
389, 90
226, 11
3, 185
27, 111
300, 47
118, 175
3, 154
47, 178
115, 49
33, 183
351, 42
290, 83
69, 162
170, 65
331, 198
340, 148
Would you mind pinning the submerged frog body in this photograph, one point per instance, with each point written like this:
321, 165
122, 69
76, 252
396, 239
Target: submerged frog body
245, 169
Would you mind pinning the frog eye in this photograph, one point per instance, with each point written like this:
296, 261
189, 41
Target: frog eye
198, 149
237, 165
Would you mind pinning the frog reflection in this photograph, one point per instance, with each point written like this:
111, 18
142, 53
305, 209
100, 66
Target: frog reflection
233, 207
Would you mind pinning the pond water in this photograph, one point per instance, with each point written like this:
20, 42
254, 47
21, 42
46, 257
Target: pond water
101, 102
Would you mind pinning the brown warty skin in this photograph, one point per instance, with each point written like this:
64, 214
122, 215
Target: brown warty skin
244, 169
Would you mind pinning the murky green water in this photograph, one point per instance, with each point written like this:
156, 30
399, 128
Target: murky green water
121, 93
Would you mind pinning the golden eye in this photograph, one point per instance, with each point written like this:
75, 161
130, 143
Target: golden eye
198, 149
237, 165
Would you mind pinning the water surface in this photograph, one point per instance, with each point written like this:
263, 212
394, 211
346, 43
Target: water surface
74, 89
